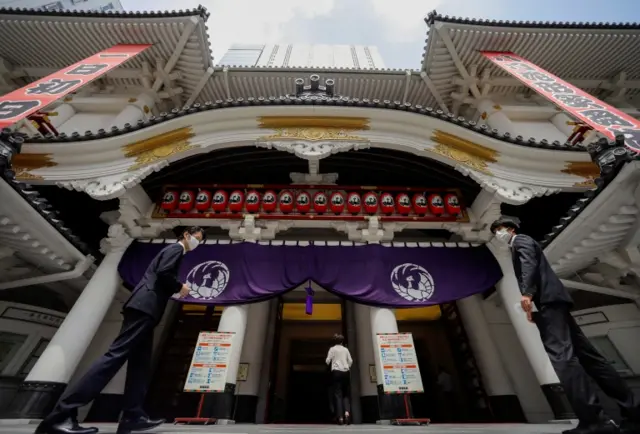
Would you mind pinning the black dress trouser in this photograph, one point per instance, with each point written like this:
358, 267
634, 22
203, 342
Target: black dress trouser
578, 364
340, 381
133, 345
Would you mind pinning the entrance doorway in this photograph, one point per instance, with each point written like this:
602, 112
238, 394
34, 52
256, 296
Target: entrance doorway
300, 379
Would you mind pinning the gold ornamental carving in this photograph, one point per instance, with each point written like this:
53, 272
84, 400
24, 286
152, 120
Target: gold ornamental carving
23, 164
312, 134
341, 123
158, 147
313, 129
586, 169
463, 151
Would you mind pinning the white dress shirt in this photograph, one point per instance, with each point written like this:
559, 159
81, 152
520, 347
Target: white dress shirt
339, 358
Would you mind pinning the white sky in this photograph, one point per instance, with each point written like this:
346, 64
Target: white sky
396, 27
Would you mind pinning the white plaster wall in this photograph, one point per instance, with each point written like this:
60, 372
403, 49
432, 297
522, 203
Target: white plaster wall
622, 329
82, 122
538, 129
34, 332
534, 403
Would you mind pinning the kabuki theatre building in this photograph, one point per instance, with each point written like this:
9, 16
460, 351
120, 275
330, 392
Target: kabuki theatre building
354, 201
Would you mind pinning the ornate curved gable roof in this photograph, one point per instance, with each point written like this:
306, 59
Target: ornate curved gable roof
454, 42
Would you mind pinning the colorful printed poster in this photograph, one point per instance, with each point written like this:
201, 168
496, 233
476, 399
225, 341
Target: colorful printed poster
210, 362
400, 371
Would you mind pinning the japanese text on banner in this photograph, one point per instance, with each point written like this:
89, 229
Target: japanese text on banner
599, 115
20, 103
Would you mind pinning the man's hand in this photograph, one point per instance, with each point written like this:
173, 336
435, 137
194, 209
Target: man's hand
527, 306
184, 291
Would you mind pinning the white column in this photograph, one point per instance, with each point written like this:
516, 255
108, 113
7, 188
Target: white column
63, 113
365, 349
382, 321
253, 347
134, 111
63, 354
494, 117
494, 375
234, 319
561, 122
527, 332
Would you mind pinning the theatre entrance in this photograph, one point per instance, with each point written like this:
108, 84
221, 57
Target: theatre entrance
300, 379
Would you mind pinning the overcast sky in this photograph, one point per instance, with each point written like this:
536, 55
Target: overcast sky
396, 27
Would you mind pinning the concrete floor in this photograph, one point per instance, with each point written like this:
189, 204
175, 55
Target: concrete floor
356, 429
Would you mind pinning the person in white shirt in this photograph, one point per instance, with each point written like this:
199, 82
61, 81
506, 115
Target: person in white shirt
340, 361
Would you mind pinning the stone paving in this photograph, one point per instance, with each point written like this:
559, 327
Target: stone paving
309, 429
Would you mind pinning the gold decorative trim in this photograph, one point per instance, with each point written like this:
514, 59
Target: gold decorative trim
158, 147
312, 134
344, 123
586, 169
588, 183
464, 151
27, 176
23, 164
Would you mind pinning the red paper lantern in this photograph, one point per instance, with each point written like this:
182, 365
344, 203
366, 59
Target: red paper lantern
354, 203
452, 205
170, 200
269, 201
320, 202
337, 202
252, 202
219, 201
286, 201
420, 205
236, 201
303, 202
370, 201
403, 204
436, 206
187, 200
203, 200
387, 204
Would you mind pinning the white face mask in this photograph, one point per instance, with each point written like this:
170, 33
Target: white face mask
192, 242
504, 236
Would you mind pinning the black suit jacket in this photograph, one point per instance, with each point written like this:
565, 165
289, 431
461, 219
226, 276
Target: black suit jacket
535, 276
159, 283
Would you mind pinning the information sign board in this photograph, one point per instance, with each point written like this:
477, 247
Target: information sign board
400, 370
210, 362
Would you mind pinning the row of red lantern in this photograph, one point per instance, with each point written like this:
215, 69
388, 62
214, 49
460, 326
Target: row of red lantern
302, 202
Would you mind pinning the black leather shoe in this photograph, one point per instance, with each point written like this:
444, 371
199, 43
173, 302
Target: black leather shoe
69, 426
127, 426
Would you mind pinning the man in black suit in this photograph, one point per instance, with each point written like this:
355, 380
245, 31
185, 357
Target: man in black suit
142, 313
573, 357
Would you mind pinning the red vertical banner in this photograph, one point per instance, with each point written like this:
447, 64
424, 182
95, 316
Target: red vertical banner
20, 103
599, 115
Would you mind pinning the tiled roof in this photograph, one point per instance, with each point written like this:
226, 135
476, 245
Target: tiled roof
200, 10
40, 204
601, 184
309, 100
434, 16
544, 44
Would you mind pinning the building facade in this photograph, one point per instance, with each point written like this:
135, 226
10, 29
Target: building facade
303, 56
109, 174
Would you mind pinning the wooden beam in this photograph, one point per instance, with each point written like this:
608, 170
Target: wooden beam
446, 39
434, 91
201, 84
600, 289
184, 37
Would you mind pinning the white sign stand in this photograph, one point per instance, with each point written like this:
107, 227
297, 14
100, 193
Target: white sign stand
398, 361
